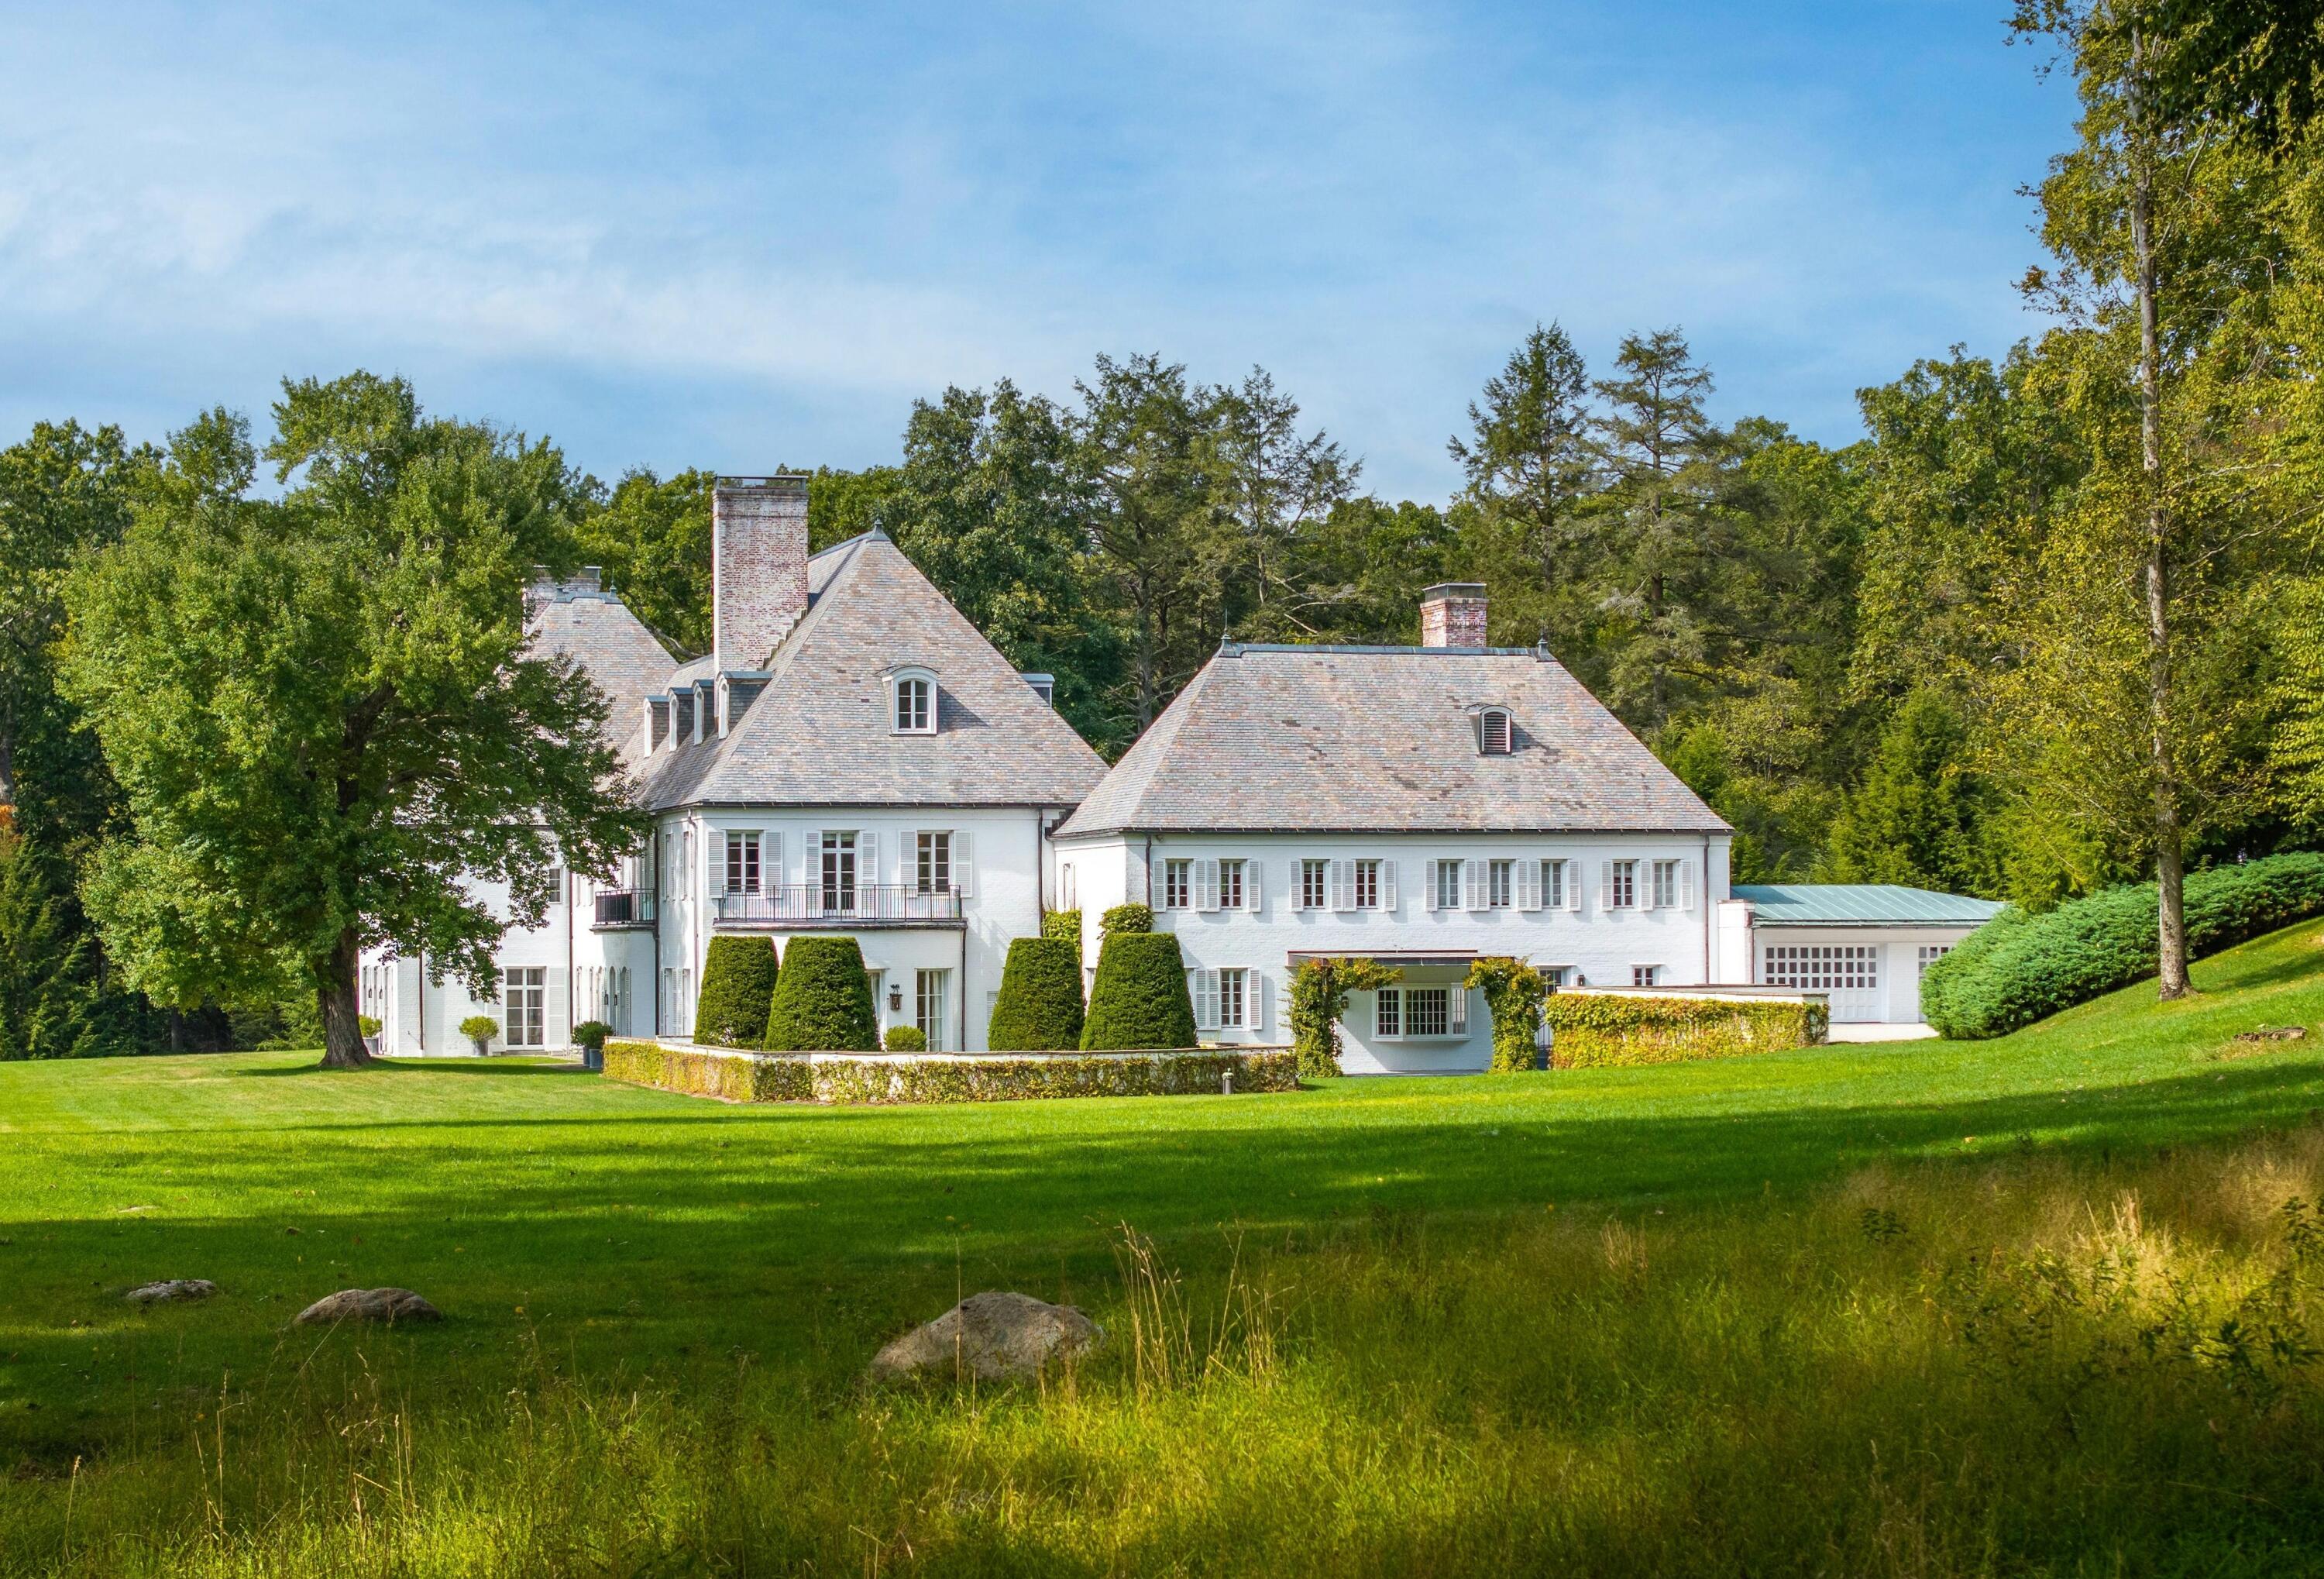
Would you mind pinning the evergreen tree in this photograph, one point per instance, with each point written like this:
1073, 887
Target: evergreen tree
1920, 814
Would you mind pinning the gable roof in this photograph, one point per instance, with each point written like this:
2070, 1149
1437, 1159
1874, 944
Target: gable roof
611, 646
1384, 740
819, 734
1860, 904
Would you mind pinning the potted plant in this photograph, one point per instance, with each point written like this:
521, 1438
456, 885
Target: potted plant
480, 1029
368, 1029
590, 1035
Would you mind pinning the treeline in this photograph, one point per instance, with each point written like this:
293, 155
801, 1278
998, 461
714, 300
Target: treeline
2055, 619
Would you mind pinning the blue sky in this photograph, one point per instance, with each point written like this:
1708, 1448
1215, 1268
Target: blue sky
735, 237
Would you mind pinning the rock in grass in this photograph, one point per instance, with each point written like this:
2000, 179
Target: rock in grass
992, 1336
172, 1291
388, 1305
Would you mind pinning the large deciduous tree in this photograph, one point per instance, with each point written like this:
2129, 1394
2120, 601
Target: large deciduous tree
321, 708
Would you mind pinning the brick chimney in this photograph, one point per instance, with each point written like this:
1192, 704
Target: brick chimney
1453, 614
758, 567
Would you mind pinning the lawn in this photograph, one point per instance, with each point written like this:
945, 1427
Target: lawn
2037, 1304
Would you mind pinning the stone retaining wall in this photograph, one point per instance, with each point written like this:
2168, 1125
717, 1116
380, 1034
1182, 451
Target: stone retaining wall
902, 1077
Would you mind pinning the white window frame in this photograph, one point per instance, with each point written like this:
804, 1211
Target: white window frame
1557, 883
1234, 1000
1497, 731
840, 853
1673, 886
1397, 1011
1314, 883
1230, 884
932, 1007
911, 701
1177, 882
1620, 881
1501, 885
745, 869
1369, 884
1646, 975
932, 861
1068, 888
1445, 883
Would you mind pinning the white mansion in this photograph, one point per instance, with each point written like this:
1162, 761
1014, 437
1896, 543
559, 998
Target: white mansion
853, 756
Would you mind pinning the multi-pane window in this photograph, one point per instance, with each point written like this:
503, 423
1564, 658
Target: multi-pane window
1388, 1012
934, 863
839, 871
524, 1002
1177, 884
1444, 877
933, 1000
1500, 884
1621, 885
1665, 884
1400, 1012
1932, 952
1823, 966
1643, 975
1315, 884
1367, 885
742, 862
1232, 985
914, 704
1557, 975
1553, 884
1230, 888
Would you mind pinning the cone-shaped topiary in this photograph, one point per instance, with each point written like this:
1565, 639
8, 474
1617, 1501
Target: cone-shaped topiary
738, 984
1040, 1010
823, 1001
1139, 999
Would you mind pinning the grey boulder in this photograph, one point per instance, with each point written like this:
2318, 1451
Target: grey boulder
388, 1305
172, 1291
992, 1336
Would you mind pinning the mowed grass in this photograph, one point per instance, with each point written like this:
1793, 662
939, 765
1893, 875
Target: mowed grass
2047, 1303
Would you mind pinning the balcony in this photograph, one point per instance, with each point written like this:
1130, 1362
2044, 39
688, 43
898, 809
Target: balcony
811, 904
622, 907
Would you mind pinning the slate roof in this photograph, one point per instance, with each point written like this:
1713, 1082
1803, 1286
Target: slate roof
597, 630
818, 734
1860, 904
1382, 739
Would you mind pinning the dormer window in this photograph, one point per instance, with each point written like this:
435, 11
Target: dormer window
1496, 735
912, 701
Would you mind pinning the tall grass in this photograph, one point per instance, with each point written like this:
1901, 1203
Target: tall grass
2025, 1364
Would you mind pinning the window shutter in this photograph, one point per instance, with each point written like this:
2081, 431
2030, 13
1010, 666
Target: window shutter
1457, 1008
1646, 884
1472, 885
867, 873
1255, 989
1528, 876
1430, 881
1569, 874
1206, 885
1343, 885
963, 862
1298, 884
557, 1009
1204, 985
1686, 885
1250, 871
717, 844
1387, 884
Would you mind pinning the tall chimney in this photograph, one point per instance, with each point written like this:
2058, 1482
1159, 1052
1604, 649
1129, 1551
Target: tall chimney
758, 567
1453, 614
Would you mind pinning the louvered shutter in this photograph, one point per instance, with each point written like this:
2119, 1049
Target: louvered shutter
1472, 885
1206, 885
963, 862
1457, 1007
770, 868
1387, 885
1646, 871
1250, 871
1529, 876
1569, 881
716, 844
1605, 885
556, 1009
1343, 885
1256, 989
1686, 885
1204, 987
867, 873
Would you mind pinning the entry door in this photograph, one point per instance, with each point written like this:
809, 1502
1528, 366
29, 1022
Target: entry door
1848, 973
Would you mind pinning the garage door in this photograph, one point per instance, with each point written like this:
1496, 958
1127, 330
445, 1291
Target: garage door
1848, 972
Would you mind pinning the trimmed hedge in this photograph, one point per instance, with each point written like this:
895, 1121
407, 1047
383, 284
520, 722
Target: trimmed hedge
1125, 918
742, 1076
1139, 999
1594, 1031
822, 999
904, 1039
1040, 1010
1063, 925
2017, 968
738, 985
1514, 992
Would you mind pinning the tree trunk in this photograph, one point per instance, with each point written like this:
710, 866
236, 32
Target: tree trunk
335, 991
2170, 854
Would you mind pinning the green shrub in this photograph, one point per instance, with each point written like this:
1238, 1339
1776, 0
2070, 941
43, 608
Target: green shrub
1040, 1010
2017, 968
822, 1000
1124, 918
1139, 999
1066, 926
1592, 1031
1514, 992
365, 1026
905, 1038
480, 1029
738, 988
1319, 996
590, 1035
742, 1076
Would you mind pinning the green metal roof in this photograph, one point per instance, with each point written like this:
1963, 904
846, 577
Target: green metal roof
1860, 904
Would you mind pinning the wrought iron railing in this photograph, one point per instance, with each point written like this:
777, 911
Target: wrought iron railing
822, 905
625, 907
